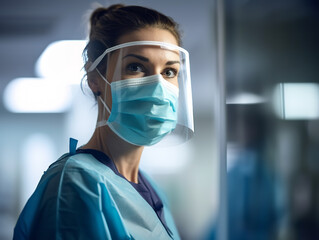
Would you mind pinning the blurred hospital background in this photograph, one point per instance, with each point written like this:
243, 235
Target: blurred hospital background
252, 169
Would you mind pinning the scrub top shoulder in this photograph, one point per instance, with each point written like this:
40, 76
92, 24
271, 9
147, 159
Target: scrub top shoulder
79, 197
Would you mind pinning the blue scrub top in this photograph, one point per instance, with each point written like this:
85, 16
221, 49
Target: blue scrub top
79, 197
143, 187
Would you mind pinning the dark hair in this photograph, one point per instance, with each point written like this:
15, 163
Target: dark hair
107, 25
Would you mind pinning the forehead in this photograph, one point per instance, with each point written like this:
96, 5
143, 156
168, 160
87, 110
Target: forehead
149, 34
154, 53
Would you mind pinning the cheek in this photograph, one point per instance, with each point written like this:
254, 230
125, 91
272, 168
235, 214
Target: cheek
113, 69
109, 96
106, 94
176, 83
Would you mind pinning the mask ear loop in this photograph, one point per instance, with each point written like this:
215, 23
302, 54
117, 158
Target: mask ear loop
104, 122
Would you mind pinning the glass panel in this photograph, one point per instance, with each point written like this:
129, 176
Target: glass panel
272, 112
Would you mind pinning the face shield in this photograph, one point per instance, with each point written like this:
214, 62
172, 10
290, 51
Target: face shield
147, 96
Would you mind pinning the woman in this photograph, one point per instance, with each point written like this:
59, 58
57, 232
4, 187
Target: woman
140, 78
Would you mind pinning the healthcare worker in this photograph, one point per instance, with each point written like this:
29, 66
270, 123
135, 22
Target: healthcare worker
140, 77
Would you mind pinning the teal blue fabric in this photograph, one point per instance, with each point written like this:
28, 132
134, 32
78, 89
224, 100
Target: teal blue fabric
144, 110
78, 197
72, 146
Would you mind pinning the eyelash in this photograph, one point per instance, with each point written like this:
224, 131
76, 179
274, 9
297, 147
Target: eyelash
173, 70
131, 65
129, 69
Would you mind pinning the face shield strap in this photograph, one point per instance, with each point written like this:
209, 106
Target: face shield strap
103, 77
105, 105
103, 123
163, 45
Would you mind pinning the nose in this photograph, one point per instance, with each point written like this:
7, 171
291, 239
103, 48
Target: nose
154, 71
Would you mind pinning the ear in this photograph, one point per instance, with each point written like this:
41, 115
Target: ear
93, 79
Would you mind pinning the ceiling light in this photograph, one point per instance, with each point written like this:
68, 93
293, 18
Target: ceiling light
297, 100
34, 95
245, 98
62, 61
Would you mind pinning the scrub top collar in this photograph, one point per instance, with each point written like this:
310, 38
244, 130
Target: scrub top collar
144, 188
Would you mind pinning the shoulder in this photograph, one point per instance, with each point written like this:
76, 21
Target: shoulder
86, 164
68, 196
73, 174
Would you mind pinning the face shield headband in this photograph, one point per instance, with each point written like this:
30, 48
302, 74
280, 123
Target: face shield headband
165, 115
129, 44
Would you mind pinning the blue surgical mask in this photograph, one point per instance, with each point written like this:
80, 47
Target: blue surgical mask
144, 110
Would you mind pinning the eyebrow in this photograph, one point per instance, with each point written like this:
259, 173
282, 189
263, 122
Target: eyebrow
144, 59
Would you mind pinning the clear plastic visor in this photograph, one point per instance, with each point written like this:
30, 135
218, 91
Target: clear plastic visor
135, 62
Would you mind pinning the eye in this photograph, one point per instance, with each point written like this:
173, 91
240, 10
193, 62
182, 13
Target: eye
134, 68
170, 73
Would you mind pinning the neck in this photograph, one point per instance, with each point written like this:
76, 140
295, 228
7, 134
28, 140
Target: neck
125, 156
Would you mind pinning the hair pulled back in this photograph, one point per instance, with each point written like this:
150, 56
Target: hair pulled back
107, 25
